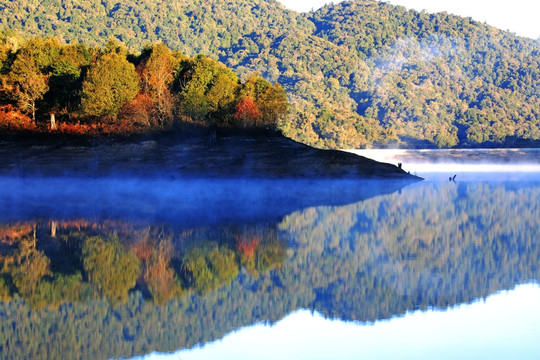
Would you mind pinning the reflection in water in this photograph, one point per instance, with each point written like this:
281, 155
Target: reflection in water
53, 262
490, 329
95, 288
433, 245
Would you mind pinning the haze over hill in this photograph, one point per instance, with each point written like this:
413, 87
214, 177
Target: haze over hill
357, 73
518, 16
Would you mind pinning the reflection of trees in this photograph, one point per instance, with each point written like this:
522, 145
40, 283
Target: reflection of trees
206, 268
49, 262
29, 267
227, 250
9, 234
27, 272
365, 261
110, 267
155, 251
260, 249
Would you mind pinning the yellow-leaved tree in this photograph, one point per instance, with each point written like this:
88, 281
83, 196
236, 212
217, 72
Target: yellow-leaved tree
111, 83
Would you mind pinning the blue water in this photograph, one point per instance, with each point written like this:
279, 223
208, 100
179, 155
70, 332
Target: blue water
292, 269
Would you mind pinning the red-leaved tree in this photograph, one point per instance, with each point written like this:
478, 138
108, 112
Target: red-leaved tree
246, 113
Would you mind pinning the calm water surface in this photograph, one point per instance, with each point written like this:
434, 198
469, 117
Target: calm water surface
205, 269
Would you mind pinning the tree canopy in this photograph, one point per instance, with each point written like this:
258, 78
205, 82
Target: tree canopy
92, 89
110, 84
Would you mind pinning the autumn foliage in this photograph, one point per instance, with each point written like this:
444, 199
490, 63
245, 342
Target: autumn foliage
12, 119
95, 128
50, 87
246, 112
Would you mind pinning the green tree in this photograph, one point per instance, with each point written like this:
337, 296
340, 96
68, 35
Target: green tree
65, 80
205, 87
273, 105
64, 85
111, 83
28, 83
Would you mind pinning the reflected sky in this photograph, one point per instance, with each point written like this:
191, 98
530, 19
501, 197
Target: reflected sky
470, 164
503, 326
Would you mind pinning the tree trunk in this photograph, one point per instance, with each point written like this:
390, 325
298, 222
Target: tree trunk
53, 122
34, 111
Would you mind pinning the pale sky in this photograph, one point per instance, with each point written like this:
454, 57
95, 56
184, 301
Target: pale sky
519, 16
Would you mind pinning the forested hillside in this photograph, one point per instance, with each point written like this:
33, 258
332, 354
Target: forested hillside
356, 73
438, 77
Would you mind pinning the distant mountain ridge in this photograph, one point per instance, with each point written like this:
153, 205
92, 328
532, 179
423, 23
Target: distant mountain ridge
358, 72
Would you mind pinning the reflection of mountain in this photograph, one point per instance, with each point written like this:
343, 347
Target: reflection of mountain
431, 245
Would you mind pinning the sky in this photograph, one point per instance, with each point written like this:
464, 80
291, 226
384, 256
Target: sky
518, 16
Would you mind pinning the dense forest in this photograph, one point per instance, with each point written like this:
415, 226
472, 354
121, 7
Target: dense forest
46, 85
356, 73
111, 288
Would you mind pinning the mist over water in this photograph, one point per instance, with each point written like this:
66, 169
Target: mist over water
467, 164
181, 201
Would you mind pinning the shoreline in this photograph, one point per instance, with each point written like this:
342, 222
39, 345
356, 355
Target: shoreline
234, 156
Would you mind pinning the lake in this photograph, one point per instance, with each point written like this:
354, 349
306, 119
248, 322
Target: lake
99, 268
